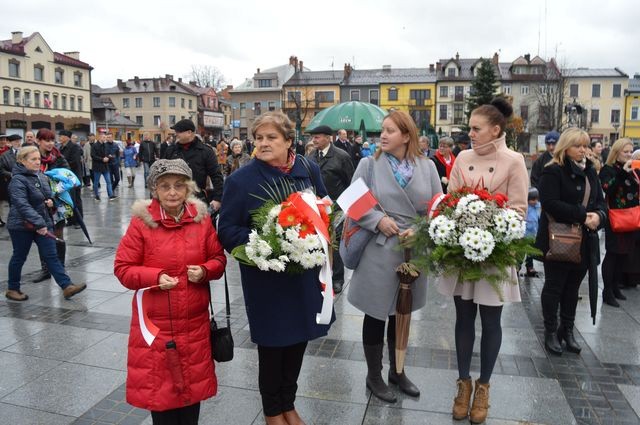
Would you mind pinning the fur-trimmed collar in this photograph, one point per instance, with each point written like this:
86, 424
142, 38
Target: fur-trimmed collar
142, 209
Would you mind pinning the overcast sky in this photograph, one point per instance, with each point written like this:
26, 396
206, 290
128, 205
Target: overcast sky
121, 39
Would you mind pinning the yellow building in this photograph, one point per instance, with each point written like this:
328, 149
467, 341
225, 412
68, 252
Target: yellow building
308, 92
631, 126
42, 88
599, 93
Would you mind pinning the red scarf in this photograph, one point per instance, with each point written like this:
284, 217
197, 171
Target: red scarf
46, 161
448, 166
291, 159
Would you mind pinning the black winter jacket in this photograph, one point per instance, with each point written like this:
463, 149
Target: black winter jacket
73, 154
336, 168
98, 153
28, 191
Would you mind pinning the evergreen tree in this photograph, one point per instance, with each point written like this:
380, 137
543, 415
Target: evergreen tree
484, 86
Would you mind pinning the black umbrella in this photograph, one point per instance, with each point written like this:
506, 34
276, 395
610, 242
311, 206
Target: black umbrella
593, 249
78, 218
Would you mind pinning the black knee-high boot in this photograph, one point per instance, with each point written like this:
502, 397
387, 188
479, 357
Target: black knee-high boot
375, 383
400, 379
44, 273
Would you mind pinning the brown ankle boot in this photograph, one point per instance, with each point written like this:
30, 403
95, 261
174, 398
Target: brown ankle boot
462, 399
480, 407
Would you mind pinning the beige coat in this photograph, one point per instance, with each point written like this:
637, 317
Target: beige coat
496, 168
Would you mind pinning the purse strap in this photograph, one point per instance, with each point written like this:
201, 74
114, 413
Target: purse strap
226, 299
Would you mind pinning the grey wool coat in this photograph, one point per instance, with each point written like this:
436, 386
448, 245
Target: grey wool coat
374, 285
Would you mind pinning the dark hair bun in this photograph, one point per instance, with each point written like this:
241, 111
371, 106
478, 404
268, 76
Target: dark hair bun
503, 106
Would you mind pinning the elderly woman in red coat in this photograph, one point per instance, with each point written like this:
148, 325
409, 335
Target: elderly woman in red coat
171, 249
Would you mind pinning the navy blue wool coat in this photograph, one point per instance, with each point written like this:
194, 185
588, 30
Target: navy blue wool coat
281, 307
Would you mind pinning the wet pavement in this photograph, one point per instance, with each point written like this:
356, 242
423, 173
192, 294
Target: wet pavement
64, 362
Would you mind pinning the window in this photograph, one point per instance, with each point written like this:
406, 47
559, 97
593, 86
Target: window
138, 101
524, 112
14, 68
595, 115
615, 115
36, 99
617, 89
444, 91
354, 95
573, 90
264, 83
182, 102
5, 96
55, 101
294, 96
458, 114
156, 120
172, 119
77, 79
420, 96
393, 93
257, 109
272, 106
506, 89
59, 76
243, 110
80, 104
190, 103
16, 97
634, 113
156, 102
374, 97
38, 73
459, 94
595, 90
524, 90
443, 112
451, 72
125, 102
324, 97
64, 102
47, 101
172, 102
72, 103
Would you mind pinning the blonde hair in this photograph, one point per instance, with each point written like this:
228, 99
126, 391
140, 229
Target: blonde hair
24, 152
407, 127
568, 138
617, 148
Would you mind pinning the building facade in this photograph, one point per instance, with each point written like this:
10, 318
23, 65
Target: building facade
631, 127
42, 88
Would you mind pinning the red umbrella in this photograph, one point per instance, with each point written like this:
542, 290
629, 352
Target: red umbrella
49, 234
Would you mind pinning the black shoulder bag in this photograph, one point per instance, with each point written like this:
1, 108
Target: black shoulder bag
221, 338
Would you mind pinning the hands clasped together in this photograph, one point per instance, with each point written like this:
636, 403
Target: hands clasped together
194, 273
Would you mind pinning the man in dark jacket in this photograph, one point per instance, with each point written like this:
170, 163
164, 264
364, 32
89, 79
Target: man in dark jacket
100, 164
113, 152
73, 154
7, 161
550, 141
336, 169
147, 154
200, 158
462, 143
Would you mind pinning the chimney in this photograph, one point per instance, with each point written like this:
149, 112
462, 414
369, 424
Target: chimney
258, 71
74, 55
438, 66
527, 57
496, 58
120, 83
386, 68
16, 37
168, 76
229, 87
136, 80
347, 71
301, 66
179, 79
457, 56
295, 63
431, 67
291, 60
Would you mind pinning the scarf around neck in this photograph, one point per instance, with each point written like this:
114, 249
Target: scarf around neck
291, 159
447, 165
402, 170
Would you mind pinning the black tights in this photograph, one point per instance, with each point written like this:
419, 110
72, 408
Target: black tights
490, 341
373, 330
187, 415
278, 371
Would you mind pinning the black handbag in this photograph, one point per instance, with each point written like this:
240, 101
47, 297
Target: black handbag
221, 338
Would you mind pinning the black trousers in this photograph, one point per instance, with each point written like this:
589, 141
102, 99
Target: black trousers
114, 170
278, 371
561, 286
187, 415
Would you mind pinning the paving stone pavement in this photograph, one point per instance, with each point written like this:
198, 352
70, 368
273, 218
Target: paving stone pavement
64, 362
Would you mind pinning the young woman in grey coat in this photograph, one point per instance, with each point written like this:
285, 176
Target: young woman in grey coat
403, 180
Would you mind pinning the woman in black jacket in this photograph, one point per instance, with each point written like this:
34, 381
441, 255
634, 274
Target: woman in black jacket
620, 185
30, 221
562, 187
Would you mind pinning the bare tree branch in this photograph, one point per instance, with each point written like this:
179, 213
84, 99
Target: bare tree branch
207, 76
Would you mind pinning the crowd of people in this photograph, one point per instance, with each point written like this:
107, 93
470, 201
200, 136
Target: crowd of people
208, 191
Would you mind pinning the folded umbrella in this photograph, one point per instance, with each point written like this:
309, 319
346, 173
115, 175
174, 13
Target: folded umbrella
407, 273
49, 234
80, 221
593, 248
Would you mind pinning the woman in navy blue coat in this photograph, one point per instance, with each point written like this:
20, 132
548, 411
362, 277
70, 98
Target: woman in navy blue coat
281, 307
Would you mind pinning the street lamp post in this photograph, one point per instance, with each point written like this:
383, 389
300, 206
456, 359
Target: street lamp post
616, 126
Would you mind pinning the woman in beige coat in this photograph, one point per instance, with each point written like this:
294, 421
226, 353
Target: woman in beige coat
493, 166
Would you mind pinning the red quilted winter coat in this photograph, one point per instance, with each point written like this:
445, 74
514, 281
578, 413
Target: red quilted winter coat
156, 244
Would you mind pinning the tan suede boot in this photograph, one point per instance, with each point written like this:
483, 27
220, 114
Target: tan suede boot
480, 407
462, 399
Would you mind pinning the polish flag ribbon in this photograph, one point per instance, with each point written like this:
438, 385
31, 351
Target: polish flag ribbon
147, 328
308, 204
434, 203
357, 200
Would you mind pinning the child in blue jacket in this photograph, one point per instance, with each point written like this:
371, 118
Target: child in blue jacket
533, 216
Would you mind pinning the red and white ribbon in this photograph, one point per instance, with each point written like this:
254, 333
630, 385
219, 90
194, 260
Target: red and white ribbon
308, 204
435, 201
147, 328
